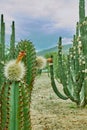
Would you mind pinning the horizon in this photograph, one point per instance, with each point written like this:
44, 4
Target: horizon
46, 49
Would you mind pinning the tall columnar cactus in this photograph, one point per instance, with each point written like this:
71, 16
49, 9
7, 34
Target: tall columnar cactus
83, 32
2, 47
3, 56
15, 98
2, 42
81, 10
29, 60
12, 42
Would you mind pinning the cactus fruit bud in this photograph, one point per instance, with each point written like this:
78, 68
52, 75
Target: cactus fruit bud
50, 60
20, 56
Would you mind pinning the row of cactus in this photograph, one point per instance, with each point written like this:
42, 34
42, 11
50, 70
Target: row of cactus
18, 79
72, 72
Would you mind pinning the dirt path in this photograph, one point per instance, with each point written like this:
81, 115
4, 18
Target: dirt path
48, 112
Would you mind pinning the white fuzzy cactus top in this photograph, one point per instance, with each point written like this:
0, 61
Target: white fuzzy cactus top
14, 70
40, 62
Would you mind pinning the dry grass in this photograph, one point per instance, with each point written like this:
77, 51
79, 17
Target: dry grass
48, 112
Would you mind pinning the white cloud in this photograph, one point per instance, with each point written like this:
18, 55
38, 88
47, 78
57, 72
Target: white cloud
55, 9
62, 13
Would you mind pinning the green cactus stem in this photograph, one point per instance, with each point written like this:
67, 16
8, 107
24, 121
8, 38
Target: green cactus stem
54, 85
29, 60
2, 48
12, 42
2, 42
15, 106
71, 76
81, 10
15, 97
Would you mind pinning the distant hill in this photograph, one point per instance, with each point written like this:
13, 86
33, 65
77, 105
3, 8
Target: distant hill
54, 49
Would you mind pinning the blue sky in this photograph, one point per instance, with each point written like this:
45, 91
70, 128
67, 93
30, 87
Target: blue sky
41, 21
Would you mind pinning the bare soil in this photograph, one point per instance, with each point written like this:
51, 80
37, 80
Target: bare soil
48, 112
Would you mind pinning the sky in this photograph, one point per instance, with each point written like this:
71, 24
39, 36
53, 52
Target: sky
41, 21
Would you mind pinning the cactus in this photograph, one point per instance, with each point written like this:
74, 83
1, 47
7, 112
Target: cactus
54, 84
15, 92
29, 60
2, 42
12, 42
73, 78
2, 48
73, 74
15, 98
81, 10
3, 56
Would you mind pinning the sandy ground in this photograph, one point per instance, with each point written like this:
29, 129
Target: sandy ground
48, 112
